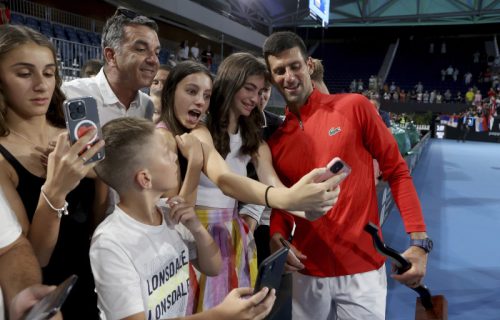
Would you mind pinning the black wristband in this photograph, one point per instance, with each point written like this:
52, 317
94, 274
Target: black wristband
265, 195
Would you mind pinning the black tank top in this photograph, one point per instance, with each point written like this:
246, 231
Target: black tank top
71, 253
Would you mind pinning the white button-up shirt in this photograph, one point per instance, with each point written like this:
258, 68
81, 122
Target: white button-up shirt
107, 102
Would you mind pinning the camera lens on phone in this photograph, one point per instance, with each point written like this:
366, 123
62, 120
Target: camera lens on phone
337, 166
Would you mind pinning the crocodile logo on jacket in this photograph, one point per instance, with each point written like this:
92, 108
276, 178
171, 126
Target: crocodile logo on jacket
334, 131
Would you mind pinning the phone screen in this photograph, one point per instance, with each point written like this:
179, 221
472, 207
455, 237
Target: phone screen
52, 303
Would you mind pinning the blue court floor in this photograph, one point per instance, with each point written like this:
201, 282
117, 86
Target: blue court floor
459, 188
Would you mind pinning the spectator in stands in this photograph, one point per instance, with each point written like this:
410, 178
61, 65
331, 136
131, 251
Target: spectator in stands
469, 96
491, 92
467, 78
439, 97
447, 96
195, 52
91, 68
455, 74
172, 60
432, 96
341, 257
478, 97
372, 83
443, 74
392, 87
43, 188
449, 72
426, 96
354, 85
183, 51
159, 80
402, 96
419, 87
458, 97
476, 56
420, 96
144, 237
317, 76
20, 274
131, 47
395, 95
207, 57
361, 86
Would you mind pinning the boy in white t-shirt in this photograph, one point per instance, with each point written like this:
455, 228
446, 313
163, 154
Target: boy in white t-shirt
140, 253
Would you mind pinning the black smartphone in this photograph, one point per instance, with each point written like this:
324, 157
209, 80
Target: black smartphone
52, 303
271, 270
81, 115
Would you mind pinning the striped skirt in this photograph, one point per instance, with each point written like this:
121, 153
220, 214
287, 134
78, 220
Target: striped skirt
239, 258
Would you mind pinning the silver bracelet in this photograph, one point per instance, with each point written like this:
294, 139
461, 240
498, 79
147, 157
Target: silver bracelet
60, 211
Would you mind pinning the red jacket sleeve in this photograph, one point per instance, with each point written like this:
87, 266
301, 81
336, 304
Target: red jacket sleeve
281, 222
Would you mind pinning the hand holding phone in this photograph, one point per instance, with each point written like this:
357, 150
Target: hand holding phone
52, 303
334, 167
81, 115
271, 270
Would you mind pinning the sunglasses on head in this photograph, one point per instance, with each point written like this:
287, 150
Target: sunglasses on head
127, 13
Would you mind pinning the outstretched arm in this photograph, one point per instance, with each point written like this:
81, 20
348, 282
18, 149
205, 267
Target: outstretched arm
234, 307
304, 195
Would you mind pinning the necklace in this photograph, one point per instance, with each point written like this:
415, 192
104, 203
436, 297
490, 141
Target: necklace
25, 139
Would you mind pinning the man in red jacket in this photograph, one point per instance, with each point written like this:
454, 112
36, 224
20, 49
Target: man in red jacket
339, 273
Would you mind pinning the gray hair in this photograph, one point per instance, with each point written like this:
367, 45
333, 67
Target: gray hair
114, 29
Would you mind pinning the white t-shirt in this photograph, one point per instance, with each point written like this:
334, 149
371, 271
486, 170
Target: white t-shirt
10, 229
108, 105
141, 268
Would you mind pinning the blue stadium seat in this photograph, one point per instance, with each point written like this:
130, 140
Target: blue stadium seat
59, 31
32, 23
16, 18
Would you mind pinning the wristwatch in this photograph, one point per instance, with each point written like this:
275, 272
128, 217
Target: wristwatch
425, 244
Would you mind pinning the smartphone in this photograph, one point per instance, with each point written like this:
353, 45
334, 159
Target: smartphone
271, 270
335, 166
52, 303
81, 115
